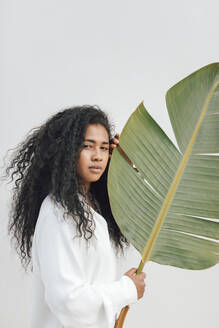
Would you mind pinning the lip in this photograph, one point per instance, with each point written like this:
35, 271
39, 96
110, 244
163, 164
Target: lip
95, 169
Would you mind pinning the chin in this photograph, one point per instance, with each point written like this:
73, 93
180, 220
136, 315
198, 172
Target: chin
95, 179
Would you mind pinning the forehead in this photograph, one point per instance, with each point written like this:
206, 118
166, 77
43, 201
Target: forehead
96, 132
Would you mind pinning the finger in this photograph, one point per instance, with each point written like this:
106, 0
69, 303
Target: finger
144, 274
113, 146
142, 277
132, 270
116, 137
114, 141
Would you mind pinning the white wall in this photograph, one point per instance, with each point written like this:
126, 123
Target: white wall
58, 53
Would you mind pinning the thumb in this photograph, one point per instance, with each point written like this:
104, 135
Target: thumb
132, 271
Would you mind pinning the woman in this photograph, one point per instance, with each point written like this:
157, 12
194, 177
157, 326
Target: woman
61, 221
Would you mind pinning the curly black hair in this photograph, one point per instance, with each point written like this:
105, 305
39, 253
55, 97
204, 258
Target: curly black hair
45, 164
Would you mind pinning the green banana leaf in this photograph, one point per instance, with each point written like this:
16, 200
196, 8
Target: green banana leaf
166, 200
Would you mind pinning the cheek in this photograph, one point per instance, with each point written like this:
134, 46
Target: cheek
82, 160
106, 159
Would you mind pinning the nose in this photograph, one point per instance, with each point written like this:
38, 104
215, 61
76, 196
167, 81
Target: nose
97, 155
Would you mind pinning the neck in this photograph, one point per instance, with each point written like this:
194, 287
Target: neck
85, 189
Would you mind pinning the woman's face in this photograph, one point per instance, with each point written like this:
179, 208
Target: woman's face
94, 155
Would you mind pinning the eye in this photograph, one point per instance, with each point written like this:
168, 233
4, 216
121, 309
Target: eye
87, 146
105, 148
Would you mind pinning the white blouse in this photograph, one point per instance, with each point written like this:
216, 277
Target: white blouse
74, 283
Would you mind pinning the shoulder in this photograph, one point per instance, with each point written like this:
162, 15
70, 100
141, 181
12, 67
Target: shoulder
50, 206
52, 226
50, 214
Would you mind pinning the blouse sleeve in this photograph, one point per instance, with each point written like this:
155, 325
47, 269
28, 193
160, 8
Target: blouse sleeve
70, 297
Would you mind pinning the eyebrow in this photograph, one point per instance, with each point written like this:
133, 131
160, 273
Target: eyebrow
93, 141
